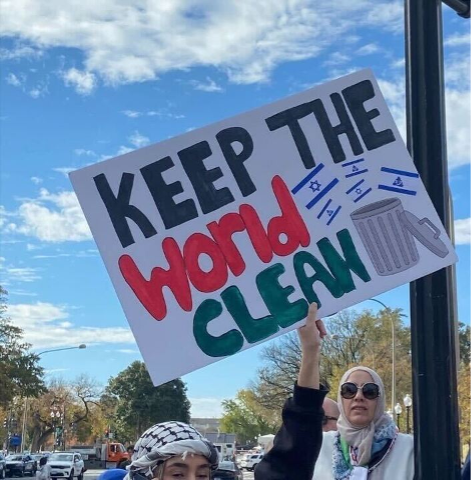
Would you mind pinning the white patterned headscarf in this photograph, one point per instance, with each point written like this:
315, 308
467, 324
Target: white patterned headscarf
166, 440
362, 437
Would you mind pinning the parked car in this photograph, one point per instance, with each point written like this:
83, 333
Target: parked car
3, 467
251, 461
67, 465
20, 465
228, 471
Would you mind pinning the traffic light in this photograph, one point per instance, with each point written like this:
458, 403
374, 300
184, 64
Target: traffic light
107, 433
5, 422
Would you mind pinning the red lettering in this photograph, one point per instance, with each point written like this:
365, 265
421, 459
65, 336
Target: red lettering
203, 281
149, 292
256, 233
222, 232
290, 223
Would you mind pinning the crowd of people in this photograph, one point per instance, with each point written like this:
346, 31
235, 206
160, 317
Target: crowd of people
320, 439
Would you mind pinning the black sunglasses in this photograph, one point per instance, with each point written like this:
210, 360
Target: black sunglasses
369, 390
326, 419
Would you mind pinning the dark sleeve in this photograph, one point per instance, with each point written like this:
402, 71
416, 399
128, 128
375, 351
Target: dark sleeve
298, 442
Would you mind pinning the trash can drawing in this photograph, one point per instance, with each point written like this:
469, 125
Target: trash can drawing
388, 233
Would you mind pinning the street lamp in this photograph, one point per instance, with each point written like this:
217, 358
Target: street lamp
407, 402
25, 412
81, 346
398, 412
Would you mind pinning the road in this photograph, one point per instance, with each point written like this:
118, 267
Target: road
94, 474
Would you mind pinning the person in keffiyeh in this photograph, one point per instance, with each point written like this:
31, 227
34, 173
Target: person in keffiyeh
170, 449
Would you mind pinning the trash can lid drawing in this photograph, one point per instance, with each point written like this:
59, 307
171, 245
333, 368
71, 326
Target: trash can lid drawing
424, 231
375, 208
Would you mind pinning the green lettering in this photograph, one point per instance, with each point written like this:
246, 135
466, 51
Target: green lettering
222, 346
276, 297
341, 267
321, 275
254, 330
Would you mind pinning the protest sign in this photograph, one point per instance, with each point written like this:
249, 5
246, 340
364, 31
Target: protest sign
218, 239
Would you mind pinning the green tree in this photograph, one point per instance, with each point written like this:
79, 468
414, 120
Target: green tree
463, 383
245, 417
355, 339
140, 405
20, 374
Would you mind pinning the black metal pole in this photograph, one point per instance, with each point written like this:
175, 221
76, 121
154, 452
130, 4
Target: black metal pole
407, 419
462, 7
435, 406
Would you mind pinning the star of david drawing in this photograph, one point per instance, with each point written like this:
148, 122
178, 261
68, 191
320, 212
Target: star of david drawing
315, 186
358, 191
398, 182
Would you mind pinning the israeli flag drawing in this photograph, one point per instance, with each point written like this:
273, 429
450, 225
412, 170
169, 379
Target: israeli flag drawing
358, 191
314, 186
354, 168
329, 211
398, 181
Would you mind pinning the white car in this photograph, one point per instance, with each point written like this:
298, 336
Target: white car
66, 465
251, 461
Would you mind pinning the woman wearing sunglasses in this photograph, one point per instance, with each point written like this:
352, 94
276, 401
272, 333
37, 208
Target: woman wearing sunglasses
367, 445
175, 450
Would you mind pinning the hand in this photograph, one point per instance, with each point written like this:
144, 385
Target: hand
312, 332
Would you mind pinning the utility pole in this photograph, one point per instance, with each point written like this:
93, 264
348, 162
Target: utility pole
435, 403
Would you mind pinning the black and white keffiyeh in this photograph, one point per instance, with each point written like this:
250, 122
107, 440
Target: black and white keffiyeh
165, 440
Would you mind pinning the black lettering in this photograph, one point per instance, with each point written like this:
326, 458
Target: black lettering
331, 133
289, 118
172, 213
355, 96
209, 197
119, 208
235, 160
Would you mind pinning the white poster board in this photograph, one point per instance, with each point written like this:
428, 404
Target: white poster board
218, 239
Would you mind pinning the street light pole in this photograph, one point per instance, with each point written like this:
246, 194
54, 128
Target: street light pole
81, 346
432, 298
25, 412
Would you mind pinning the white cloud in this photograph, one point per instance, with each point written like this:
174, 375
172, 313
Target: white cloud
64, 170
138, 140
45, 326
20, 51
19, 274
368, 49
206, 407
136, 41
462, 231
152, 113
83, 152
53, 218
208, 86
12, 79
457, 112
83, 82
132, 113
457, 40
36, 180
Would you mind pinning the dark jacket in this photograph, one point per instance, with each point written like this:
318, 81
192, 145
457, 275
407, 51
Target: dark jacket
298, 442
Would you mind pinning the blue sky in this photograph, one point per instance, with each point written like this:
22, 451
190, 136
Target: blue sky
85, 82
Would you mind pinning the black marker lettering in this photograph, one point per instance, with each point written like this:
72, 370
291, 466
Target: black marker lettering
209, 197
119, 208
355, 96
235, 160
172, 213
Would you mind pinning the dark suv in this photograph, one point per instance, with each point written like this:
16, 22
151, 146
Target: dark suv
3, 467
227, 471
20, 465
